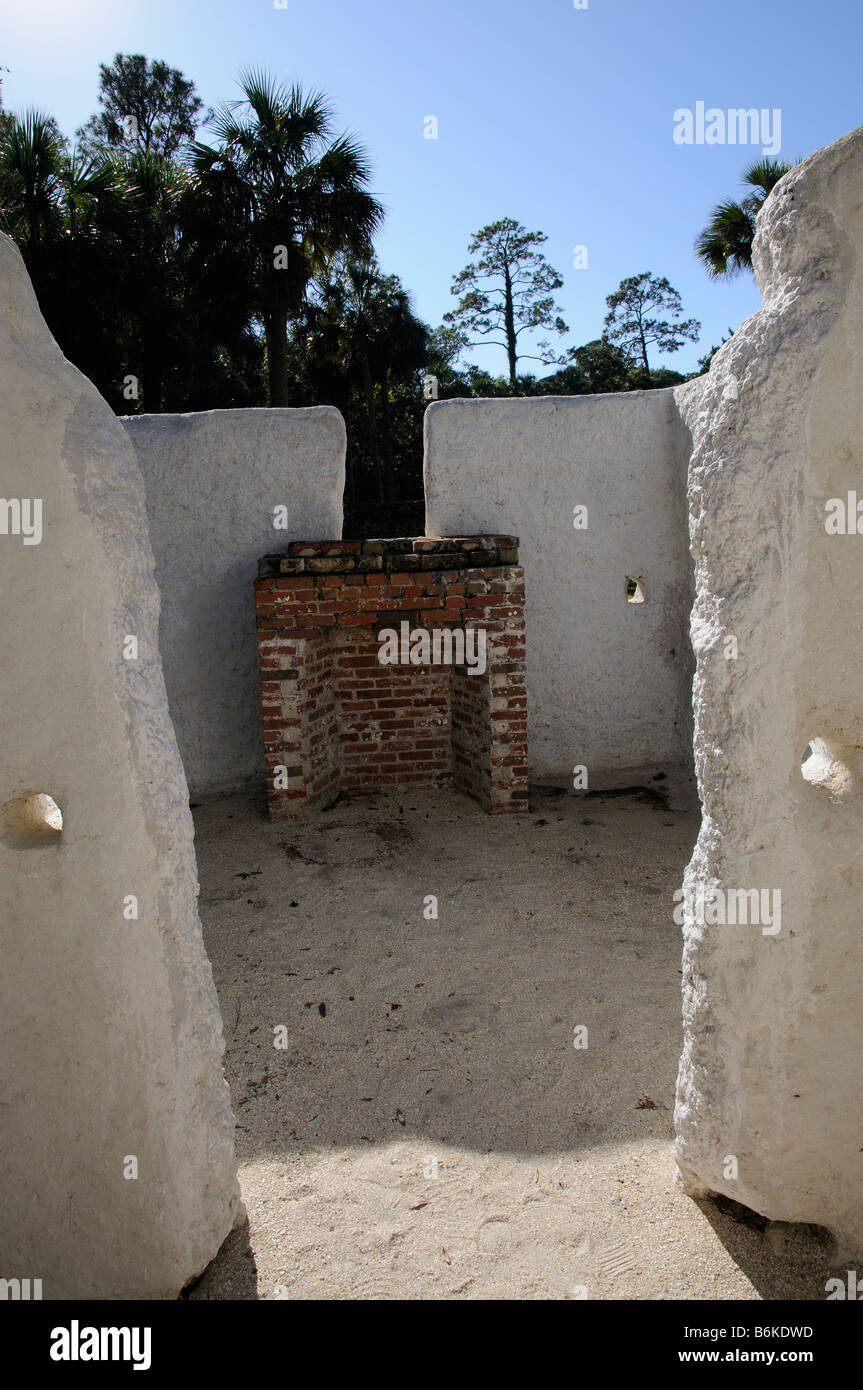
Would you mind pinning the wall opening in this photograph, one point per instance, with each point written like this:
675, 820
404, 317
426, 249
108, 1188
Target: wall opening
30, 820
820, 767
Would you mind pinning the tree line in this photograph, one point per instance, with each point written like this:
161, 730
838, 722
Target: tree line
184, 274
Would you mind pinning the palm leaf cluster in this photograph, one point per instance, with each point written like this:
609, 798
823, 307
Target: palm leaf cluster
725, 245
161, 266
293, 194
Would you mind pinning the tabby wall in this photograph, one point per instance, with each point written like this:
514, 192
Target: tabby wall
223, 488
771, 1080
609, 681
116, 1145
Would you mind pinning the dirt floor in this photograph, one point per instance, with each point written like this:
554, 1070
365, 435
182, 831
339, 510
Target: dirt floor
430, 1130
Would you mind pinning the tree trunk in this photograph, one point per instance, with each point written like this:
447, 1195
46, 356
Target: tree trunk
276, 333
509, 322
387, 437
643, 349
373, 426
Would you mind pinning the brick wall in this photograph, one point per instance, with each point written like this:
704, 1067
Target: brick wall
336, 719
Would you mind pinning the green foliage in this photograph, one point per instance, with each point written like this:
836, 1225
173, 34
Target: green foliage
6, 118
360, 342
705, 361
119, 258
147, 108
155, 258
602, 367
508, 291
596, 368
289, 193
725, 245
33, 165
632, 324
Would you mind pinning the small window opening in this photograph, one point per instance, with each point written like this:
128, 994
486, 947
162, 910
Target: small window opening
821, 768
31, 819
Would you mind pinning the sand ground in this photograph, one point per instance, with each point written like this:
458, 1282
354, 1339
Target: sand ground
430, 1130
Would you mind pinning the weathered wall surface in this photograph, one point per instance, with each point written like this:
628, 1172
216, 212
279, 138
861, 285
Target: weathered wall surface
608, 681
213, 481
112, 1040
772, 1071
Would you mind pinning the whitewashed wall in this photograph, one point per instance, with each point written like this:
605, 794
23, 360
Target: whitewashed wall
609, 682
112, 1040
771, 1078
213, 481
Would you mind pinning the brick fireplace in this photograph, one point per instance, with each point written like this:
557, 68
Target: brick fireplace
393, 663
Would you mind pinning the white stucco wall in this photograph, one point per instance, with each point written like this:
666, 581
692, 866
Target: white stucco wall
772, 1070
111, 1034
212, 482
608, 681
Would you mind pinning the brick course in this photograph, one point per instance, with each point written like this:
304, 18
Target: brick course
337, 720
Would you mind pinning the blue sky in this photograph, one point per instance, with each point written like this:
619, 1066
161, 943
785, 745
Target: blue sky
561, 118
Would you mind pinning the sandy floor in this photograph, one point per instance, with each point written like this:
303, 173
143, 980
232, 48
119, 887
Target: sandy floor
430, 1130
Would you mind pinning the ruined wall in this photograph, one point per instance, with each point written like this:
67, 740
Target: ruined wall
112, 1040
339, 717
770, 1090
608, 681
214, 482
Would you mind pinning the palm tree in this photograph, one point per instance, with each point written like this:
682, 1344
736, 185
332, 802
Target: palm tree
158, 297
46, 191
132, 280
33, 159
725, 245
281, 179
363, 325
353, 302
401, 350
65, 212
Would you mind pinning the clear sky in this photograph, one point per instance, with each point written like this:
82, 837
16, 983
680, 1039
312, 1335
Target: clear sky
559, 117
